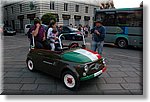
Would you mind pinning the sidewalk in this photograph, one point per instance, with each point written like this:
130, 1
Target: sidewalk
124, 74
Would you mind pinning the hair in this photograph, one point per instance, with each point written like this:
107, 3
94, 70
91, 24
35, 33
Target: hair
52, 22
37, 20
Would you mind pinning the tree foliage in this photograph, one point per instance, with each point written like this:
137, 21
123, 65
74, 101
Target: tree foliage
46, 18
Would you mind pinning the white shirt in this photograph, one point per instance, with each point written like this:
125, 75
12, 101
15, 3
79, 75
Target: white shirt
49, 33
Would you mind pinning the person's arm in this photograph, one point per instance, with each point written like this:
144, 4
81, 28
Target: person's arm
35, 32
92, 30
44, 37
49, 33
103, 32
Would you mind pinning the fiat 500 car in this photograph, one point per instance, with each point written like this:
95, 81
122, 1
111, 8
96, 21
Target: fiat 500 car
71, 64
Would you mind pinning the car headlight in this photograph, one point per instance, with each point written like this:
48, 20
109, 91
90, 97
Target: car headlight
104, 60
8, 31
86, 68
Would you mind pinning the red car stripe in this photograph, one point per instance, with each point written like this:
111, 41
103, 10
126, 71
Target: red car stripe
97, 54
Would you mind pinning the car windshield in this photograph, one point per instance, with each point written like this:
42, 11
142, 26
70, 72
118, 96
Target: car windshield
65, 41
45, 26
9, 29
73, 29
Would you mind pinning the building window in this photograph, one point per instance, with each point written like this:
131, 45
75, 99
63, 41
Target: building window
20, 7
65, 6
12, 10
21, 23
13, 24
94, 10
6, 10
77, 8
86, 9
52, 7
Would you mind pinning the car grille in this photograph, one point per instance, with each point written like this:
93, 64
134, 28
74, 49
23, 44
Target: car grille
95, 66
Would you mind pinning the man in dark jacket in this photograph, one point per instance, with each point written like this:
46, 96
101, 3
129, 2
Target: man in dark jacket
98, 35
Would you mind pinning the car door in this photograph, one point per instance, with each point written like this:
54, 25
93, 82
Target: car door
49, 62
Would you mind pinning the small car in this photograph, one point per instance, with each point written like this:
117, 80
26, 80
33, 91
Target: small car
71, 33
72, 63
9, 31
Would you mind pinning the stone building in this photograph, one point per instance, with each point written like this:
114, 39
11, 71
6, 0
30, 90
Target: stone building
17, 14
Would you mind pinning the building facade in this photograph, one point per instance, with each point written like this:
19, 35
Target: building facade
67, 12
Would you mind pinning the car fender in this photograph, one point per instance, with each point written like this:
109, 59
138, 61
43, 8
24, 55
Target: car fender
70, 68
121, 36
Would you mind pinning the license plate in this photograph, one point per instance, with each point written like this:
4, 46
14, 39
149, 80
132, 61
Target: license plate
97, 73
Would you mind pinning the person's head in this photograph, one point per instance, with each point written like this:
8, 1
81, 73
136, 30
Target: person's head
52, 24
80, 25
37, 21
98, 23
60, 27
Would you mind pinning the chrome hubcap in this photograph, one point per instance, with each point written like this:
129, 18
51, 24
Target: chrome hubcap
122, 43
69, 80
30, 65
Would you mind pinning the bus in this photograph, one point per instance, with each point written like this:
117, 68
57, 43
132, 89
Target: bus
124, 26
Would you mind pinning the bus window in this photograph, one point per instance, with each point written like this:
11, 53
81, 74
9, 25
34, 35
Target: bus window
107, 18
133, 19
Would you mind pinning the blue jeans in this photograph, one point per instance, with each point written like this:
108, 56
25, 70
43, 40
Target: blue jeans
39, 45
97, 45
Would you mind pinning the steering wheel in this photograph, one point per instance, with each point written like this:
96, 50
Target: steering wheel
74, 45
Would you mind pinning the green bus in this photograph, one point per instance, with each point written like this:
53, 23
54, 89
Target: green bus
124, 26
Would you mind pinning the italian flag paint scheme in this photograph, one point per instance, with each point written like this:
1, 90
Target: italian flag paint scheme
81, 56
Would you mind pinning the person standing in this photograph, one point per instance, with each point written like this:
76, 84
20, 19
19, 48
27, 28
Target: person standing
53, 39
98, 35
51, 34
60, 30
37, 32
86, 30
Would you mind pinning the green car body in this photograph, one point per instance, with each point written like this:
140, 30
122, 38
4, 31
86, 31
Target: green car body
55, 63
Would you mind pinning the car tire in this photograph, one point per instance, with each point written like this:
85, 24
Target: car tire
122, 43
30, 65
70, 80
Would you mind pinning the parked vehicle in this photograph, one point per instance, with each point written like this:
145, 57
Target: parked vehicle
124, 26
27, 27
9, 31
71, 33
72, 63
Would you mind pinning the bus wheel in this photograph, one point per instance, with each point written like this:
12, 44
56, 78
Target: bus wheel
122, 43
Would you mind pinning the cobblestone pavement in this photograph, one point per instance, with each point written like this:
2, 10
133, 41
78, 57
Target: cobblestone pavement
123, 75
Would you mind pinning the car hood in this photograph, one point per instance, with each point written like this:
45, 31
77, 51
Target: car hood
81, 56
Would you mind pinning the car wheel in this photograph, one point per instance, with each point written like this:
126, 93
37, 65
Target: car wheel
70, 80
30, 65
122, 43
